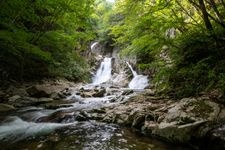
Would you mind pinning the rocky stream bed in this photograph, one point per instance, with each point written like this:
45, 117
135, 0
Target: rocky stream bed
64, 115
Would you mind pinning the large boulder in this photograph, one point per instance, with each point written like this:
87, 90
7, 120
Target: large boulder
175, 121
96, 92
37, 91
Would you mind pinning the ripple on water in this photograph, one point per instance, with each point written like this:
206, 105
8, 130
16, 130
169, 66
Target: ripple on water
88, 135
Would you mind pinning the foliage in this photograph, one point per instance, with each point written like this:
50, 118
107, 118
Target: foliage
179, 43
44, 38
200, 65
103, 19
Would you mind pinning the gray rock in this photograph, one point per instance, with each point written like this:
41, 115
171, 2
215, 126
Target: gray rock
139, 121
127, 92
14, 98
6, 107
35, 91
175, 121
18, 101
99, 92
173, 132
55, 96
20, 92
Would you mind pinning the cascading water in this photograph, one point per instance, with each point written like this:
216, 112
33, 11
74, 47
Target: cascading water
17, 129
138, 81
104, 72
93, 45
69, 124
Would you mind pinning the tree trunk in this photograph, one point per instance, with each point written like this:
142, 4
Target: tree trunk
218, 15
205, 15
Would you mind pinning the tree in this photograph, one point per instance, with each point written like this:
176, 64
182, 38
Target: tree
47, 35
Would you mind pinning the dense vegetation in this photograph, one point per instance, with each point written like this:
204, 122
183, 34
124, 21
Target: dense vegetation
44, 38
181, 44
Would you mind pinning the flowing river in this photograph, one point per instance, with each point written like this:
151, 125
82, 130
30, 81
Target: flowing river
27, 128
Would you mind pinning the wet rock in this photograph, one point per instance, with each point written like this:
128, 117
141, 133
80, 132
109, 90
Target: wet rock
120, 79
43, 100
96, 116
20, 92
127, 92
102, 110
117, 99
86, 94
57, 104
36, 91
216, 138
99, 92
81, 117
96, 92
66, 92
58, 117
6, 107
55, 96
18, 101
64, 117
138, 122
14, 98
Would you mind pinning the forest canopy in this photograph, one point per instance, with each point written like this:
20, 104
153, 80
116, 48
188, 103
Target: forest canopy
44, 38
180, 44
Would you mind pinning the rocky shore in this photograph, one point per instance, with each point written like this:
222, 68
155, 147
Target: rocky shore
195, 120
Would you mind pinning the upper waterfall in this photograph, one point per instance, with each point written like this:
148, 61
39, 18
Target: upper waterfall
138, 81
93, 45
104, 72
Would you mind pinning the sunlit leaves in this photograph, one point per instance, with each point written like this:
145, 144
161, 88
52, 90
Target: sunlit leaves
51, 31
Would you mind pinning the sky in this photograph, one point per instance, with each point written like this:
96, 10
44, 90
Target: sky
111, 1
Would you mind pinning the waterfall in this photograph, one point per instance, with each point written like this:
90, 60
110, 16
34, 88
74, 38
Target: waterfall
138, 81
104, 72
93, 45
132, 70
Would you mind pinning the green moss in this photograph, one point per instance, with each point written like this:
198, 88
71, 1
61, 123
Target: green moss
201, 109
185, 120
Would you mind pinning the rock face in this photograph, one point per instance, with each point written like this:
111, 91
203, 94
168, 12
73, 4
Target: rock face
175, 121
96, 92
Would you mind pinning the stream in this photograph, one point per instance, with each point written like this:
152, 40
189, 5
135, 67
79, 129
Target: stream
36, 127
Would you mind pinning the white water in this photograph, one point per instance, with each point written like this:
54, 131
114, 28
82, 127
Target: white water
93, 45
17, 129
104, 71
138, 81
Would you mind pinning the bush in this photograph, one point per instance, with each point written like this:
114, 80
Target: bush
199, 64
